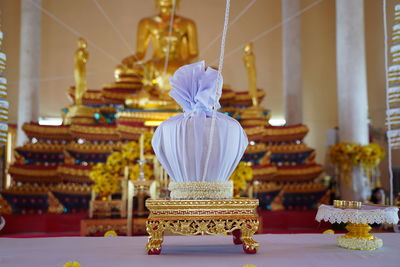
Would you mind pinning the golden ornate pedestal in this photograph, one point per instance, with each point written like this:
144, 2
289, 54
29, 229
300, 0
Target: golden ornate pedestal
357, 217
199, 217
359, 238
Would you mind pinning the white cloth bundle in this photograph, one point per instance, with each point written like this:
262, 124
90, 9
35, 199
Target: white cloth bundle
181, 143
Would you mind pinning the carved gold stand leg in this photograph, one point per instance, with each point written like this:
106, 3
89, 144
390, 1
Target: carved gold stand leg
155, 229
237, 235
359, 238
248, 229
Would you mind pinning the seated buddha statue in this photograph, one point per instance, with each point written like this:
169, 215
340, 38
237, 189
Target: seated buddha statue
156, 83
181, 47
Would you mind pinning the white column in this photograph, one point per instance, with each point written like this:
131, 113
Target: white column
29, 66
352, 86
292, 83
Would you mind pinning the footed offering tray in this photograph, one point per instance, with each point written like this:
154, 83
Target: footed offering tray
199, 217
358, 220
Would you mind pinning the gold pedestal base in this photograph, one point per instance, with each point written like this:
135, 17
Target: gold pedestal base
199, 217
359, 238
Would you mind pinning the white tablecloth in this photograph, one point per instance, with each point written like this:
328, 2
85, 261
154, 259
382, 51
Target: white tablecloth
206, 251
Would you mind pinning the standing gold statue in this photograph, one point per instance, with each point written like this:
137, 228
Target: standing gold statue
249, 61
79, 113
81, 57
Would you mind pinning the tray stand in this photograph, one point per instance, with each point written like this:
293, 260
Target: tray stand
199, 217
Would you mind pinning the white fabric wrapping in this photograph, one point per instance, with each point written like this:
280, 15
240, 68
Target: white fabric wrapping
367, 214
181, 142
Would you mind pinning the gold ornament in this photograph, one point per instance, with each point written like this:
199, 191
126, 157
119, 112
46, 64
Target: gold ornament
110, 233
347, 204
72, 264
250, 64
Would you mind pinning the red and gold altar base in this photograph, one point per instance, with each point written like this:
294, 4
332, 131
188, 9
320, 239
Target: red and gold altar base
199, 217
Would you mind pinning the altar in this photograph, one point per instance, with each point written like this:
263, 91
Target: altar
167, 147
275, 250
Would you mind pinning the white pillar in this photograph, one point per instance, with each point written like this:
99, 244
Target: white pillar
291, 41
352, 86
29, 66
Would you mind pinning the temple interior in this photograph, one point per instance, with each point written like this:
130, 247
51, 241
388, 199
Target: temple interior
88, 83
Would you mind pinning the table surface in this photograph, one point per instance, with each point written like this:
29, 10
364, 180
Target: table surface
275, 250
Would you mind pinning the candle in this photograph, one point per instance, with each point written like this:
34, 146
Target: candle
93, 194
126, 172
130, 207
141, 143
156, 168
165, 178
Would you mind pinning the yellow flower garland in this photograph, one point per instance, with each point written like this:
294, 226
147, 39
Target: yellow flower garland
241, 176
106, 176
135, 169
346, 155
106, 182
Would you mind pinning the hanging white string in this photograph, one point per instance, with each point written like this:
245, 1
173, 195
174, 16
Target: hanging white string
60, 77
103, 12
387, 100
265, 33
171, 26
72, 30
217, 86
204, 50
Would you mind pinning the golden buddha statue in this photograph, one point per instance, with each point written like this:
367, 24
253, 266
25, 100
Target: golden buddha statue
254, 115
81, 57
156, 28
79, 113
180, 46
156, 80
249, 61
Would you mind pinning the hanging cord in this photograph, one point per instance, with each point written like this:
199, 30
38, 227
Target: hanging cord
387, 101
266, 32
204, 50
103, 12
217, 86
72, 30
61, 77
171, 26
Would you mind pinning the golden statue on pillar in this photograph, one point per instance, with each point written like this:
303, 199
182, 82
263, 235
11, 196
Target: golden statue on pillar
81, 57
254, 115
249, 61
79, 113
180, 46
